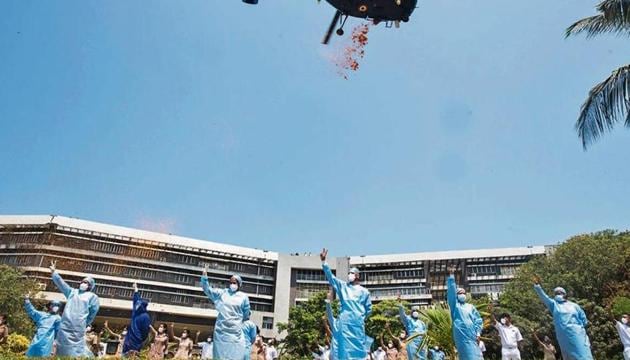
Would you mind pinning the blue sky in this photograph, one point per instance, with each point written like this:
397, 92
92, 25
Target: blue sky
227, 122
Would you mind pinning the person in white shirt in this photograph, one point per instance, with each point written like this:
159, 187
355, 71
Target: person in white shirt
270, 352
379, 354
510, 336
623, 328
206, 348
482, 348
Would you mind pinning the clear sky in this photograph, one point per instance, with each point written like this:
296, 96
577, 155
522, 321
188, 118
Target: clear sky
223, 121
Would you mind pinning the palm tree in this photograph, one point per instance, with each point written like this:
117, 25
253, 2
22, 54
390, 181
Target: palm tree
609, 101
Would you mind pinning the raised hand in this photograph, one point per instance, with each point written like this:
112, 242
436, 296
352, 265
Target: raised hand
53, 265
135, 286
323, 254
536, 279
452, 269
205, 270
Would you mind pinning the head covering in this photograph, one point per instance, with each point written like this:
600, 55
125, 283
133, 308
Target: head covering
142, 306
91, 282
354, 270
239, 280
415, 308
54, 303
560, 290
461, 291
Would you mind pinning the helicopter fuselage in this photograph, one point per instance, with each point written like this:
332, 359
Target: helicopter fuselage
379, 10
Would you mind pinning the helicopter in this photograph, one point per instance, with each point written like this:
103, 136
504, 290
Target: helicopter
377, 10
390, 11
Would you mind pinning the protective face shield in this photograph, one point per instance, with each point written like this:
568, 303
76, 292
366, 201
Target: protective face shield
415, 314
233, 287
461, 298
503, 321
84, 286
351, 277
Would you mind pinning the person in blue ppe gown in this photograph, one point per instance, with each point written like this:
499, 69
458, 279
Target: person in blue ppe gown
435, 353
46, 324
569, 321
355, 308
233, 308
467, 322
139, 327
80, 310
250, 331
414, 326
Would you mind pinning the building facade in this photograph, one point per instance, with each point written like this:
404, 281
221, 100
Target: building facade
167, 269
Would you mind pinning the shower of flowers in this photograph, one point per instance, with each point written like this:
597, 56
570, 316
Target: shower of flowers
353, 52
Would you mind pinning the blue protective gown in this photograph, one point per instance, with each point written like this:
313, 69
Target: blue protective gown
413, 327
467, 324
332, 323
570, 322
138, 330
249, 331
355, 307
47, 325
80, 311
233, 308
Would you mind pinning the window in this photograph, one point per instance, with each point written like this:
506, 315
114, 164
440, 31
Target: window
267, 323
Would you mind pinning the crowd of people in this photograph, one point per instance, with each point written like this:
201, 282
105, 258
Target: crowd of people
71, 333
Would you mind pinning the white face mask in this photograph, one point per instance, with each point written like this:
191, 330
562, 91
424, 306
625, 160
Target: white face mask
624, 320
559, 298
390, 345
55, 309
503, 321
209, 339
351, 277
83, 287
233, 287
461, 298
88, 329
184, 335
415, 314
436, 348
124, 333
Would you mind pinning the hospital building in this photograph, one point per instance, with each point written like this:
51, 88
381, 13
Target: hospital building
167, 269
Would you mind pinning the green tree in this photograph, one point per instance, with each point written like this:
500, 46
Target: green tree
13, 287
593, 269
306, 326
609, 101
384, 314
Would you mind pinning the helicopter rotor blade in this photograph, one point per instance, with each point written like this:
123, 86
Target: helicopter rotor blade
331, 27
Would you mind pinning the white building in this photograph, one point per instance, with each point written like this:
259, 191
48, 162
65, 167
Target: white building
167, 269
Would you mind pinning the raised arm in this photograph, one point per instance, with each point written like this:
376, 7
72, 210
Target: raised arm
31, 311
212, 293
93, 307
171, 332
403, 316
136, 300
59, 282
545, 299
451, 290
332, 279
106, 326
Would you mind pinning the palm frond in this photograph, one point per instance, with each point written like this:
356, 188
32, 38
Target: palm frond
613, 17
608, 103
